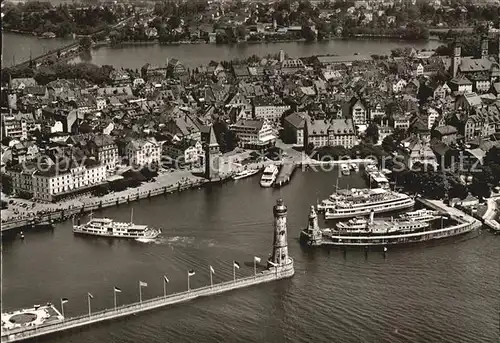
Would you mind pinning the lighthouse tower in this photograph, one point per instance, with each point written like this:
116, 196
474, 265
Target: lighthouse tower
279, 257
312, 235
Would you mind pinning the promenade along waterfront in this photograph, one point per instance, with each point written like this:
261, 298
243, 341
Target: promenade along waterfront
453, 286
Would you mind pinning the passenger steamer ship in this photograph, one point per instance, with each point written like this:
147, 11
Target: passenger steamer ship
361, 232
269, 175
107, 227
356, 202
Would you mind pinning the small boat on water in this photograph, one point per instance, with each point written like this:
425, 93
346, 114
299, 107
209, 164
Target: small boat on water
245, 173
107, 227
344, 168
354, 167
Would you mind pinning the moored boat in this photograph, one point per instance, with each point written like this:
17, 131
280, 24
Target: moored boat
384, 234
358, 226
245, 173
423, 215
269, 175
356, 202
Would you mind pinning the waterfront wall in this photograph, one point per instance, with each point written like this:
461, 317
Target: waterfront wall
63, 214
122, 311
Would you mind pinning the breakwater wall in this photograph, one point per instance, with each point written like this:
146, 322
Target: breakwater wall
21, 334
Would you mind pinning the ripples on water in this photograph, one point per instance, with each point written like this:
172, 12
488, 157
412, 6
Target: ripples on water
444, 292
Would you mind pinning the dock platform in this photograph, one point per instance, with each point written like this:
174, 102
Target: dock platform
285, 174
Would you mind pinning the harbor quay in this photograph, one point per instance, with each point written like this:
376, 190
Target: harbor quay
463, 223
54, 213
61, 214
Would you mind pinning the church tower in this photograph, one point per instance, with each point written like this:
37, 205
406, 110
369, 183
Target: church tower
484, 47
212, 154
457, 58
279, 257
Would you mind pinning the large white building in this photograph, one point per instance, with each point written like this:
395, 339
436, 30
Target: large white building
254, 133
53, 181
331, 133
268, 109
141, 152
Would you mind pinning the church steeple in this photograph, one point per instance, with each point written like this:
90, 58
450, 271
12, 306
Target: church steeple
212, 153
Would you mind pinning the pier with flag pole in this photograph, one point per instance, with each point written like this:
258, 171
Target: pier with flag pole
236, 265
165, 284
89, 296
190, 273
63, 301
212, 271
116, 290
255, 261
280, 266
141, 284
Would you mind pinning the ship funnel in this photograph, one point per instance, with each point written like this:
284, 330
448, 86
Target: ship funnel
372, 214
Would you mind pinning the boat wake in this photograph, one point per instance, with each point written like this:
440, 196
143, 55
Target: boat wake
183, 241
146, 240
176, 240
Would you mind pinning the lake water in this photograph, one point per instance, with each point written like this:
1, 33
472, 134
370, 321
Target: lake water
17, 47
444, 292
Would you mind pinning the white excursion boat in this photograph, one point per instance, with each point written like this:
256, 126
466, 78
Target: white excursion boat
378, 226
344, 168
245, 173
358, 202
107, 227
423, 215
269, 175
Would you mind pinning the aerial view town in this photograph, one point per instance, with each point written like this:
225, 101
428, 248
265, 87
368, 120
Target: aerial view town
250, 171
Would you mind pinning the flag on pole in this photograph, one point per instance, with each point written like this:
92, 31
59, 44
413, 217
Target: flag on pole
64, 300
143, 284
90, 296
212, 270
166, 280
236, 265
191, 272
256, 259
118, 290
